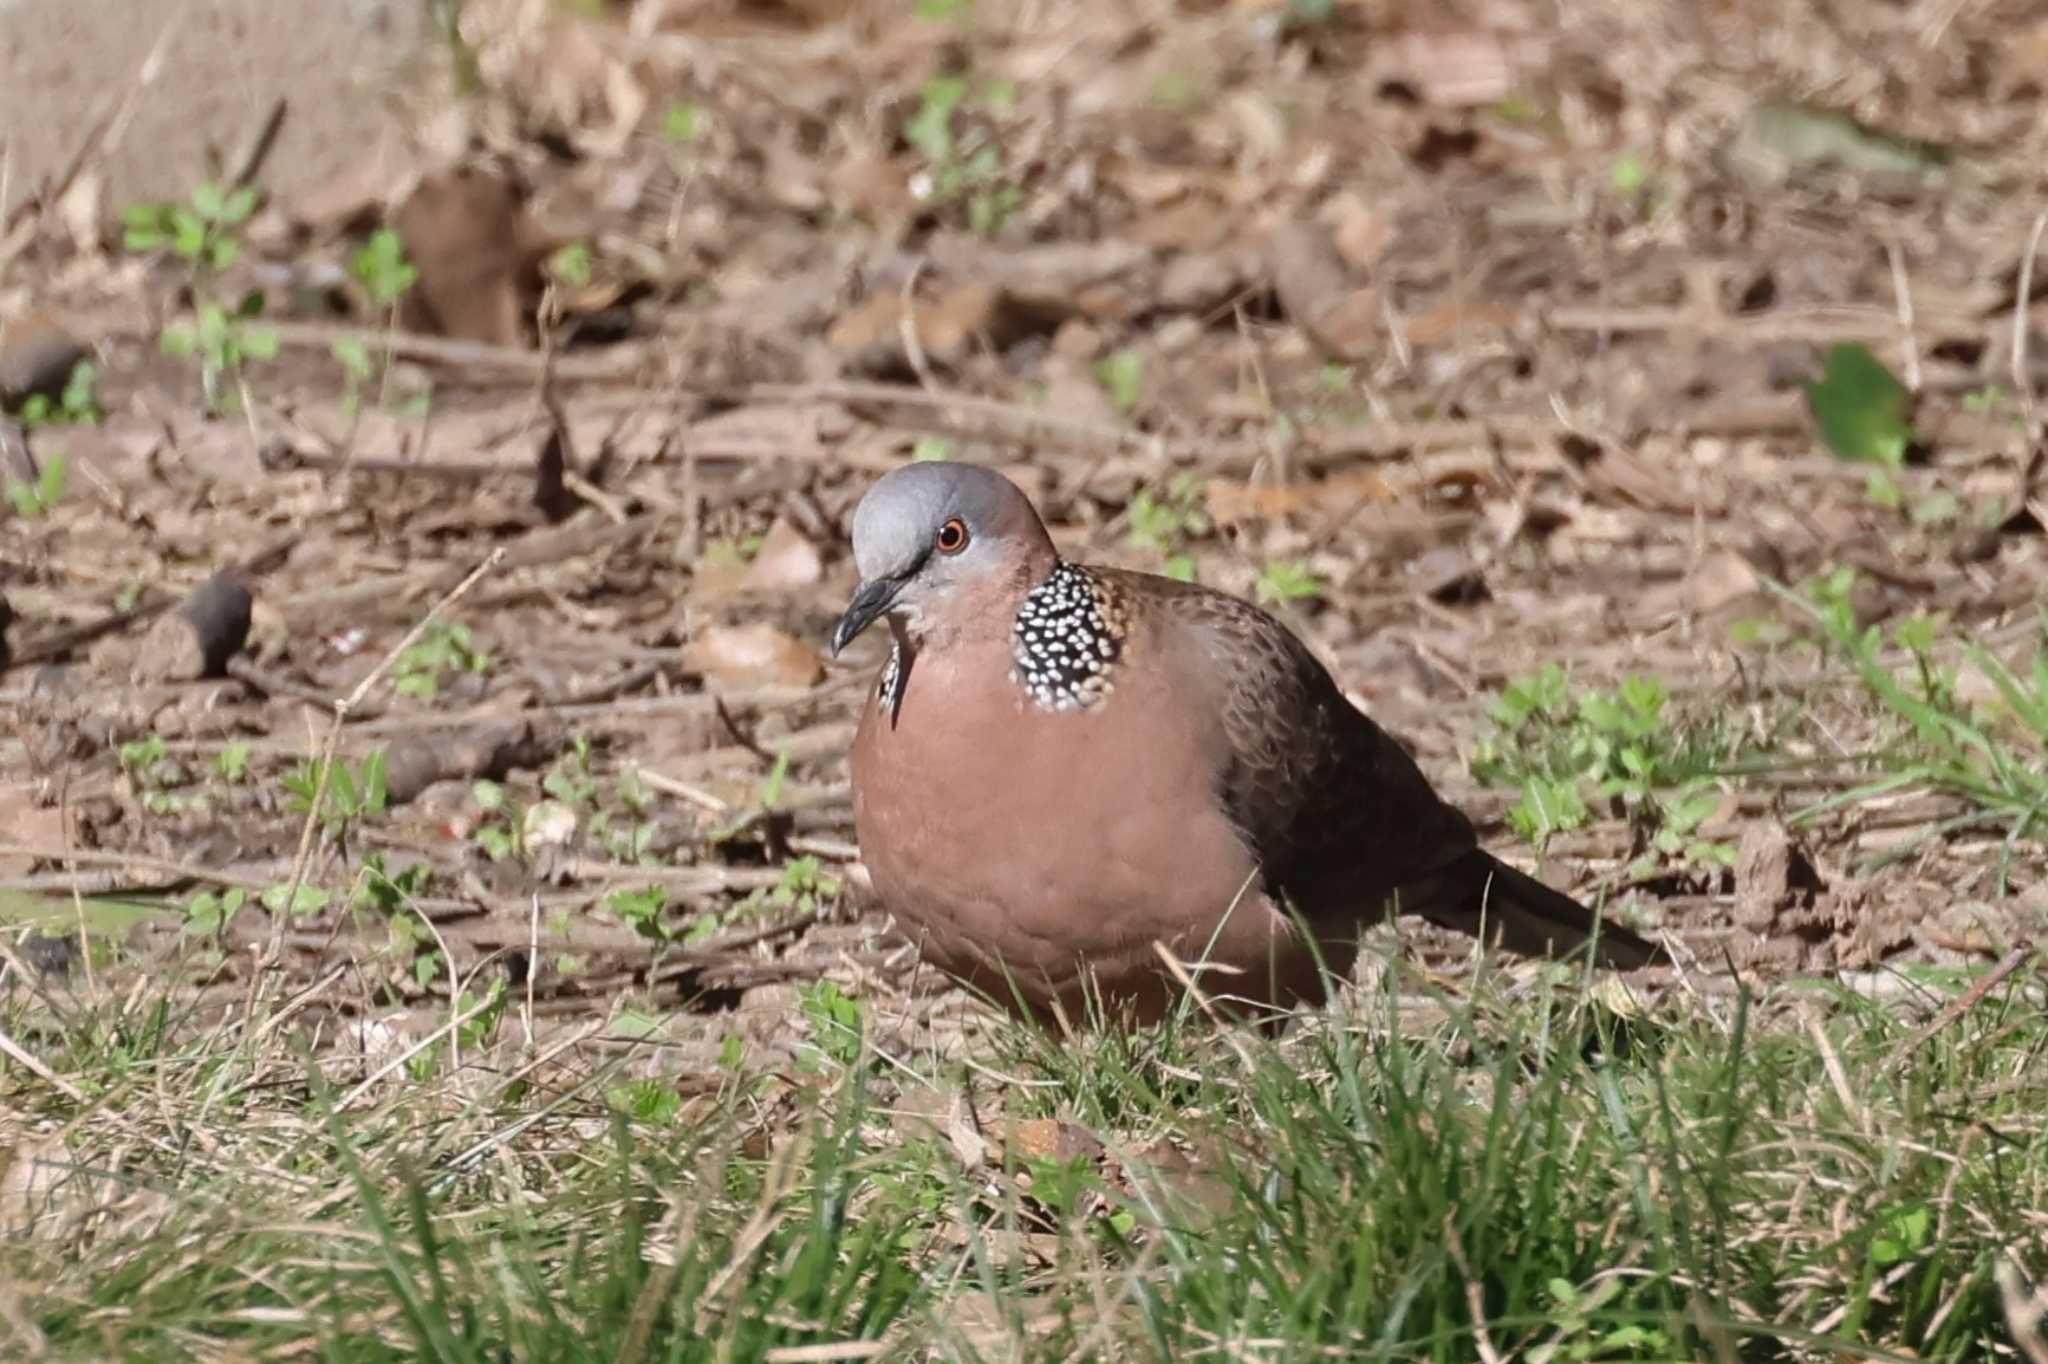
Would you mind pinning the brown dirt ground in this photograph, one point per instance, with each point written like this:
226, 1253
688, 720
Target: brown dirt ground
1484, 314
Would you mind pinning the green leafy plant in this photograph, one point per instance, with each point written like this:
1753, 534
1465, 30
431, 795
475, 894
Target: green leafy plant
76, 404
569, 778
301, 902
646, 1100
445, 650
205, 229
1864, 414
32, 500
386, 276
232, 762
1578, 1335
223, 342
805, 887
1163, 523
572, 265
1287, 580
212, 911
640, 909
963, 158
1122, 376
1624, 745
154, 774
381, 268
390, 892
499, 838
409, 940
480, 1015
836, 1022
683, 122
353, 793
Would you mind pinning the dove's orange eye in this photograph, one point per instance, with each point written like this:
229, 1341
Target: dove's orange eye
952, 537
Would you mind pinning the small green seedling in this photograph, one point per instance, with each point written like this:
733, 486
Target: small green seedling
1122, 376
682, 122
232, 762
76, 404
1629, 175
640, 910
305, 902
33, 500
963, 161
1163, 524
499, 838
835, 1021
212, 911
204, 230
572, 265
382, 269
443, 651
224, 343
646, 1100
1288, 580
389, 892
154, 775
1577, 1338
353, 794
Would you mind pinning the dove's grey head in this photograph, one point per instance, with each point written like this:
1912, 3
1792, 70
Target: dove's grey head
941, 547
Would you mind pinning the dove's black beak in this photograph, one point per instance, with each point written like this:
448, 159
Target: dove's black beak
870, 600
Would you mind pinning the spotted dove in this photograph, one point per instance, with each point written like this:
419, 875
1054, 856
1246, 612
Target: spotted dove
1064, 765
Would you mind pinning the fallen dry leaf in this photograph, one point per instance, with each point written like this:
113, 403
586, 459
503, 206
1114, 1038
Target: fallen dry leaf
786, 560
31, 826
1030, 1139
871, 334
753, 655
1316, 291
477, 254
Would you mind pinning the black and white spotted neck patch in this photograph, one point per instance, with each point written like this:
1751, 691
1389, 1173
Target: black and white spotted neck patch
1067, 638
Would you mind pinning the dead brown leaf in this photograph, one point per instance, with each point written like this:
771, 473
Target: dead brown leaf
785, 561
478, 257
758, 654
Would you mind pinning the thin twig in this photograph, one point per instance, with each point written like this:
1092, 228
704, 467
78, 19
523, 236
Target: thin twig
1902, 294
2022, 384
1475, 1298
1964, 1002
12, 1049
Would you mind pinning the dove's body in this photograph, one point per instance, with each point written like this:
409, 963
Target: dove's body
1063, 766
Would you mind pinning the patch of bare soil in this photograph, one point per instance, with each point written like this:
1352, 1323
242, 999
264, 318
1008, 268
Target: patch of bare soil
1492, 323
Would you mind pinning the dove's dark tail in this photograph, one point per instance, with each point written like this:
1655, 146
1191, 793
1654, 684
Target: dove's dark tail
1482, 895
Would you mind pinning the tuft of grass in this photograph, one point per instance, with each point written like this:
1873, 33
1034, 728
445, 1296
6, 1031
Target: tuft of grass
32, 500
1524, 1172
1991, 753
445, 651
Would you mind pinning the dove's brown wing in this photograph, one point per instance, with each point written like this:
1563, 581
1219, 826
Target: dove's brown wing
1335, 811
